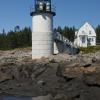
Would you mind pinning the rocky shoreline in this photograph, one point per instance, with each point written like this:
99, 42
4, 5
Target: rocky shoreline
59, 77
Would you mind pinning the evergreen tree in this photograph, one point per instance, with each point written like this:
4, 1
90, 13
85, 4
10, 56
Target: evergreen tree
59, 29
15, 39
17, 29
98, 34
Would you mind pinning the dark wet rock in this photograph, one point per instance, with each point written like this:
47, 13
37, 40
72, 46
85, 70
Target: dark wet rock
62, 97
92, 80
4, 77
52, 61
92, 93
94, 60
41, 82
86, 65
15, 73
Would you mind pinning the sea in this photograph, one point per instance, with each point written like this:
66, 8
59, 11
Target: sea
15, 98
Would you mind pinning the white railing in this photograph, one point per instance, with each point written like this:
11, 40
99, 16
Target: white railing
58, 36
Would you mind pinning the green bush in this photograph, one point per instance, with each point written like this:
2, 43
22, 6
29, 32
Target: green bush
90, 49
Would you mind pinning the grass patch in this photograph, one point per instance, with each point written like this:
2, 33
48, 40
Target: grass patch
90, 49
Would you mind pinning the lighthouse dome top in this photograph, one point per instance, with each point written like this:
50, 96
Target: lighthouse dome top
43, 6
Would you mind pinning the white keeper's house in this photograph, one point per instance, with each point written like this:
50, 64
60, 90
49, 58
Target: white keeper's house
85, 36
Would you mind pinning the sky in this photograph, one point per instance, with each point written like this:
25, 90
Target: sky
68, 13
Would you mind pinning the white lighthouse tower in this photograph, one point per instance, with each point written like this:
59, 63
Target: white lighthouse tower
42, 29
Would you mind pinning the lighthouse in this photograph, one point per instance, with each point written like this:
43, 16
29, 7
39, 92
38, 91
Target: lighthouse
42, 29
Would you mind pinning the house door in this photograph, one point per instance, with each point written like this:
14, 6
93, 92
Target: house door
89, 41
83, 39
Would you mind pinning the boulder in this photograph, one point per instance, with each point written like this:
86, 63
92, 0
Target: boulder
62, 97
92, 79
4, 77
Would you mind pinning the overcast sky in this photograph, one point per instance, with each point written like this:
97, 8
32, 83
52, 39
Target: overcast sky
68, 12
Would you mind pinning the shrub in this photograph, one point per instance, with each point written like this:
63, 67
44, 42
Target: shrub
90, 49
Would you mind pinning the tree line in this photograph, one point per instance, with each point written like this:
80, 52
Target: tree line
15, 39
68, 32
98, 34
19, 38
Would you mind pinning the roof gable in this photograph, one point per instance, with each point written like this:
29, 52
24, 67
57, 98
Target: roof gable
87, 29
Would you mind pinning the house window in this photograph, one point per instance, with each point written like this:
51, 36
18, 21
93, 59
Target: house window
92, 39
82, 32
89, 32
83, 39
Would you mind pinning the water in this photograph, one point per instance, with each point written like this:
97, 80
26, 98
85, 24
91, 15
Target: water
15, 98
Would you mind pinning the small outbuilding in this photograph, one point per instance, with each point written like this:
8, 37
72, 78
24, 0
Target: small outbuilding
85, 36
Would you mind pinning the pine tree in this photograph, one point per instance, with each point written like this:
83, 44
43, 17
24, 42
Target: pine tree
98, 34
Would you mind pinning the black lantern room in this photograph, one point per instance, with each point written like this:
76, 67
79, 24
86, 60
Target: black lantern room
43, 6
